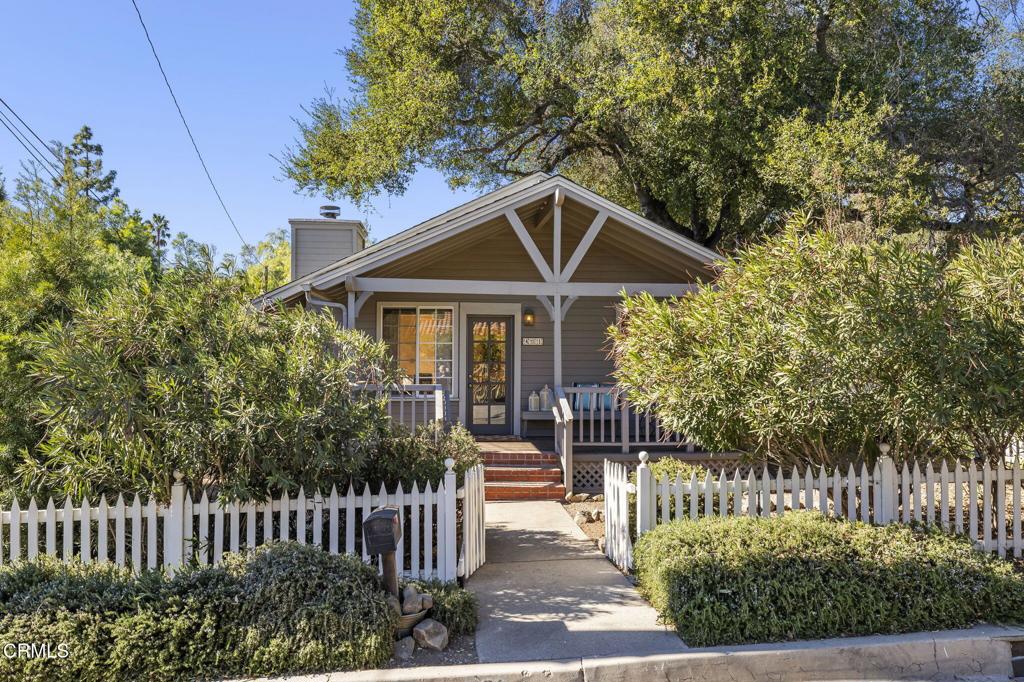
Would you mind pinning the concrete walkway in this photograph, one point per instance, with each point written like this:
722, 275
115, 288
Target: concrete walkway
547, 593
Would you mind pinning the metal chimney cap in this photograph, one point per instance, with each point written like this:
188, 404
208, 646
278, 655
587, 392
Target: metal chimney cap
330, 211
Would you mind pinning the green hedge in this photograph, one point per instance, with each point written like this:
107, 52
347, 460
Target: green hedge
283, 608
801, 576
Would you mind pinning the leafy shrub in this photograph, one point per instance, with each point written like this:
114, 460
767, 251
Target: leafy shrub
407, 457
454, 607
672, 467
809, 348
801, 576
282, 608
188, 376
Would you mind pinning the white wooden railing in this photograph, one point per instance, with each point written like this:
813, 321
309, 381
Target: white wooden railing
414, 405
563, 435
602, 416
150, 535
982, 501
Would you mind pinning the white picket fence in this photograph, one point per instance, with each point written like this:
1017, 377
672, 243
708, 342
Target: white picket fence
981, 501
148, 535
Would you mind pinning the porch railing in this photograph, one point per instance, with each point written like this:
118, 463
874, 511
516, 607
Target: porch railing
414, 405
563, 414
601, 416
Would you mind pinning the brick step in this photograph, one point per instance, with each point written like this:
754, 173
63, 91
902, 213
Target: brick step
525, 473
519, 458
523, 491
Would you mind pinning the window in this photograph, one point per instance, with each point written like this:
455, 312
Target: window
421, 341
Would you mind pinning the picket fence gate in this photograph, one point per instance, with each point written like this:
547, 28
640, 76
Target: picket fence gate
148, 535
981, 501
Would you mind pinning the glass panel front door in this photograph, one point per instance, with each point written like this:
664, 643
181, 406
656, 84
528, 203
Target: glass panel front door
490, 375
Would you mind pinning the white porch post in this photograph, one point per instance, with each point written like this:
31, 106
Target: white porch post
556, 267
350, 310
558, 339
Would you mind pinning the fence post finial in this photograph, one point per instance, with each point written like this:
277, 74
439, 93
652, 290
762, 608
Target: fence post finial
174, 526
449, 465
645, 498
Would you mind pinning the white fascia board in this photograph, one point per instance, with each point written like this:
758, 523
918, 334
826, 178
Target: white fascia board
511, 288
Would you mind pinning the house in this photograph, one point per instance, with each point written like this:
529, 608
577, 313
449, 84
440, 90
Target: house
488, 304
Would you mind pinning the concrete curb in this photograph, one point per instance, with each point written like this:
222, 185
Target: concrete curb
981, 652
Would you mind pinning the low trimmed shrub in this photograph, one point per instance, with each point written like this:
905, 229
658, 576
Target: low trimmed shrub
282, 608
802, 576
454, 607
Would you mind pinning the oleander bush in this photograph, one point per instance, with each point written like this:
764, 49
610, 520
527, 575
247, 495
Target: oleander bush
282, 608
812, 349
801, 576
187, 376
454, 607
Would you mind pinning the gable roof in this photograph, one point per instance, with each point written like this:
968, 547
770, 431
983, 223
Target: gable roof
475, 212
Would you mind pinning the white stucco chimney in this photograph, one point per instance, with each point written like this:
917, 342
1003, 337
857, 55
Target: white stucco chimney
319, 242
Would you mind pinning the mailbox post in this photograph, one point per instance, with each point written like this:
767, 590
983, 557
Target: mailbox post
382, 534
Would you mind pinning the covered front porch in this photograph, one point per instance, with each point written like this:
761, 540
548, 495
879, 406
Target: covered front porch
510, 297
590, 424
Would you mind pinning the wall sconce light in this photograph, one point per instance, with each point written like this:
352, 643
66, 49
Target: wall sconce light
528, 318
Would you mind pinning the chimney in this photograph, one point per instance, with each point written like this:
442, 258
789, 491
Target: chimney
319, 242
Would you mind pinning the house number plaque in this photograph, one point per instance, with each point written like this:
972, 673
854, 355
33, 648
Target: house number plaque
533, 341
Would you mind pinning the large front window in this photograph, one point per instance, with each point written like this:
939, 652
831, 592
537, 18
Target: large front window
421, 340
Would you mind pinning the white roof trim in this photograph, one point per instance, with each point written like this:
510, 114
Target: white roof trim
473, 213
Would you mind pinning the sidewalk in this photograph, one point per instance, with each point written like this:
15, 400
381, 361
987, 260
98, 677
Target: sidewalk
546, 593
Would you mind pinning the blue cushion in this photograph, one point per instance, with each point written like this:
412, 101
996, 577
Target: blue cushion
581, 401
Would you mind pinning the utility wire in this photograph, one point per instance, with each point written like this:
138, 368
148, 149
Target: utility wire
185, 123
26, 144
58, 166
29, 128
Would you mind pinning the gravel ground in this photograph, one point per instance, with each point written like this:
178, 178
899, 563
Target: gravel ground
595, 529
460, 651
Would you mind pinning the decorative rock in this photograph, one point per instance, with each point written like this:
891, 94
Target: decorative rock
409, 592
597, 515
597, 498
430, 634
600, 544
426, 601
582, 517
395, 604
412, 605
579, 497
404, 648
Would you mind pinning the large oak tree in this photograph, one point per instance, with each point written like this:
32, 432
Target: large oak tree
675, 108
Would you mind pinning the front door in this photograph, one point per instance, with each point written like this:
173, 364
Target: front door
490, 374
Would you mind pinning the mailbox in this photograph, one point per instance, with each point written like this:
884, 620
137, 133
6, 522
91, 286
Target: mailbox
382, 531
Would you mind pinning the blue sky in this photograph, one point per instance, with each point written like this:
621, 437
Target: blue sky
241, 72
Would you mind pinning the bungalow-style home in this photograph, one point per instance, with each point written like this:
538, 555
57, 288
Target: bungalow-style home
497, 311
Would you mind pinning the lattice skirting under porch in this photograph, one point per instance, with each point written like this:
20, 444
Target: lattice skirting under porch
588, 474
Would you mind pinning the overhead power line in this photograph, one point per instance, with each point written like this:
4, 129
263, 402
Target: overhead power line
23, 140
29, 128
188, 130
